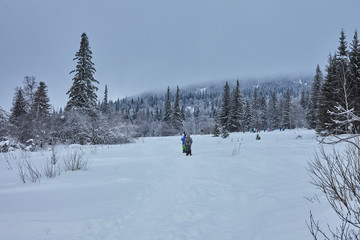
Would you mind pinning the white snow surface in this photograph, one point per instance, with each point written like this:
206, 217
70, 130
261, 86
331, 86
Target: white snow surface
234, 188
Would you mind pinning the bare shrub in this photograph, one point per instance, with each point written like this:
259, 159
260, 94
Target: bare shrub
51, 169
9, 157
337, 175
27, 170
236, 150
21, 172
76, 161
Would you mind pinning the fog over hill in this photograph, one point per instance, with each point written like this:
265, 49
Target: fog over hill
278, 84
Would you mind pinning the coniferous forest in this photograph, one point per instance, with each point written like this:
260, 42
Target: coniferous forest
327, 101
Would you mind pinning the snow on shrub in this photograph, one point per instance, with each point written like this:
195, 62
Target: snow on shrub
9, 144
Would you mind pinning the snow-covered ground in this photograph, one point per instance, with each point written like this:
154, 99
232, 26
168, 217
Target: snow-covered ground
235, 188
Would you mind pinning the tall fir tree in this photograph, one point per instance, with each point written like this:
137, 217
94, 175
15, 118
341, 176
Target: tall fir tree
82, 94
18, 111
41, 105
313, 107
236, 111
342, 49
273, 115
225, 108
286, 121
247, 115
30, 86
303, 98
40, 115
354, 65
255, 115
346, 87
105, 108
20, 124
327, 99
177, 119
167, 108
183, 113
263, 113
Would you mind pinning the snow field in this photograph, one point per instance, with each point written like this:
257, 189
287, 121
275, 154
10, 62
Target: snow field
235, 188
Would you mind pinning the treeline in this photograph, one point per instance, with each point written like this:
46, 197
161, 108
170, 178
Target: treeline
334, 106
259, 111
194, 110
269, 104
322, 103
31, 123
87, 120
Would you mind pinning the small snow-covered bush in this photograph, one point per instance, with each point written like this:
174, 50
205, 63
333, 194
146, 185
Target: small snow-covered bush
30, 145
9, 144
225, 133
216, 131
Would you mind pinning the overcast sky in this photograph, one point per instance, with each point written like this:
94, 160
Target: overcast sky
141, 45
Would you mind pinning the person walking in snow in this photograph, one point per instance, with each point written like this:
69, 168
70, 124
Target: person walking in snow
188, 142
183, 142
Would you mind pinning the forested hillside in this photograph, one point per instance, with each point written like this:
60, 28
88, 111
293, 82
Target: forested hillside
262, 106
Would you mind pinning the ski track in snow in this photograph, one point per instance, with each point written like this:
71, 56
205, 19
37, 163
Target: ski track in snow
235, 188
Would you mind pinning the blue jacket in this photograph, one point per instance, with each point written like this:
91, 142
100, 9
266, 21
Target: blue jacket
183, 139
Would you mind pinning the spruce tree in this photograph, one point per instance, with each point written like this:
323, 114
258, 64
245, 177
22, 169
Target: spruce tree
225, 108
314, 98
41, 106
18, 111
40, 115
303, 98
30, 86
345, 87
167, 108
4, 123
263, 113
273, 115
20, 123
216, 130
105, 108
327, 99
82, 94
177, 119
247, 115
286, 121
342, 49
255, 115
354, 65
183, 113
236, 111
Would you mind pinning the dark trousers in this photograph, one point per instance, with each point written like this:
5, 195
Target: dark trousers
188, 150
